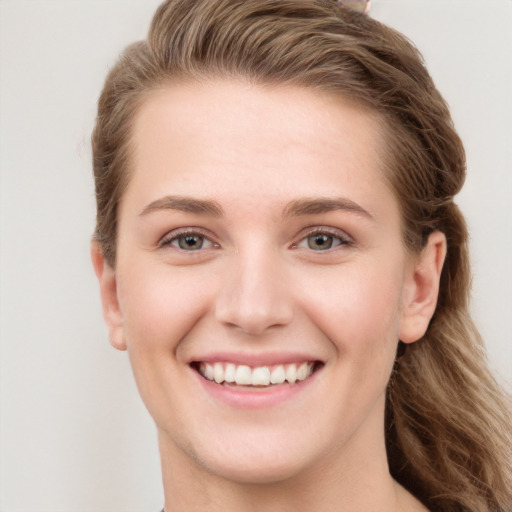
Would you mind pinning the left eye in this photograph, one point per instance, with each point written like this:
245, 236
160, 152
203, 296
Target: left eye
322, 241
190, 242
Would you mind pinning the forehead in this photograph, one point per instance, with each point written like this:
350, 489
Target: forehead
226, 137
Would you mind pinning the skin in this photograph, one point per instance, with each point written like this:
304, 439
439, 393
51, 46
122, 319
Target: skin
261, 284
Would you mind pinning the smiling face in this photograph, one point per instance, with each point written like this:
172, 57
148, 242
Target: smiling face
261, 284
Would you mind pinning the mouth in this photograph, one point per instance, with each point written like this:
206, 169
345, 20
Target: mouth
263, 376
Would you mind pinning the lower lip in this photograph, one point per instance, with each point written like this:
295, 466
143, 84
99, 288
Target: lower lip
260, 398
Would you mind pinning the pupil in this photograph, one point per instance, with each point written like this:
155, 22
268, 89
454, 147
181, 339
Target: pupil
321, 242
190, 242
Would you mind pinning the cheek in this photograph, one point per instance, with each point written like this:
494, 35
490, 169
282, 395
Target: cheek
357, 307
358, 312
161, 304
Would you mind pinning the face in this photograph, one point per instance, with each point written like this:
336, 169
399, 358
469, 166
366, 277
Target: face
261, 284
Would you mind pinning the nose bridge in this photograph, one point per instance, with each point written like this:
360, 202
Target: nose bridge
255, 296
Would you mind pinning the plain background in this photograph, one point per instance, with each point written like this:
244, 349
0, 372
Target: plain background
74, 436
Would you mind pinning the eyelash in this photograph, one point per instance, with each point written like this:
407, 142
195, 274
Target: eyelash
334, 234
176, 236
337, 238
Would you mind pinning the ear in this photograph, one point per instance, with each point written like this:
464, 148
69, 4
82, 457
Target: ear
108, 291
421, 289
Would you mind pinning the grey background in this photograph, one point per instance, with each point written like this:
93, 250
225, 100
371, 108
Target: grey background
74, 435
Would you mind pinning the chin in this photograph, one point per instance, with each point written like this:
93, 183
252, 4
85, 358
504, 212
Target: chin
257, 470
253, 459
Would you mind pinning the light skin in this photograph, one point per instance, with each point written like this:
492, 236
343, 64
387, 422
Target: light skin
258, 228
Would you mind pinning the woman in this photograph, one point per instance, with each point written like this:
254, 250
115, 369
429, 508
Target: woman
278, 249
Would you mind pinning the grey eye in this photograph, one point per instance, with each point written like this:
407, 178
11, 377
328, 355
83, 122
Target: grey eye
321, 241
190, 242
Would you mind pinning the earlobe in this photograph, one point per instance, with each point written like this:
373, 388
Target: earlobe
422, 289
108, 292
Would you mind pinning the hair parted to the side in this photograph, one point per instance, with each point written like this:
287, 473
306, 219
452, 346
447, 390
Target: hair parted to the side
448, 423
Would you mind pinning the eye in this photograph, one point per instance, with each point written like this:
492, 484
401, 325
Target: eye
320, 241
323, 240
187, 241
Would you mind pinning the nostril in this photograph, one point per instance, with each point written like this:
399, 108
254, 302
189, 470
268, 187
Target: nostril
255, 315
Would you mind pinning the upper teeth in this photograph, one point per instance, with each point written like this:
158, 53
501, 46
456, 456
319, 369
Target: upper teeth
260, 376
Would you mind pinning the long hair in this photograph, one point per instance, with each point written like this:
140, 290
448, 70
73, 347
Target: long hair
448, 423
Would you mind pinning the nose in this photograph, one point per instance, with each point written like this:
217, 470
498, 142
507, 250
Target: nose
255, 295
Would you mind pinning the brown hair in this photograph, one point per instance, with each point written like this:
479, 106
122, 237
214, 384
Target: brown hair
448, 423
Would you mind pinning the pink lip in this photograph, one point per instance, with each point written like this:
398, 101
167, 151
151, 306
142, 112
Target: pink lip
256, 359
243, 397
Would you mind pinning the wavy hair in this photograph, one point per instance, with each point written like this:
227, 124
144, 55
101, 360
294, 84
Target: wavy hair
448, 423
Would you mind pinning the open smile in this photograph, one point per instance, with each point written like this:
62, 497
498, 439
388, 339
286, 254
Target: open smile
233, 374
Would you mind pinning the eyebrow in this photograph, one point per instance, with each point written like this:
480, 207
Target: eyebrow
185, 204
296, 208
319, 205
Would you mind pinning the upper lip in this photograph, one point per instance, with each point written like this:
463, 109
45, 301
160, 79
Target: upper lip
255, 359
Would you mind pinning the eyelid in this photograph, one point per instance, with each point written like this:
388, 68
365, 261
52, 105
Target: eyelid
172, 235
346, 240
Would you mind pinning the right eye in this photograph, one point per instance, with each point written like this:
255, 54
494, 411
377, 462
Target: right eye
187, 241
